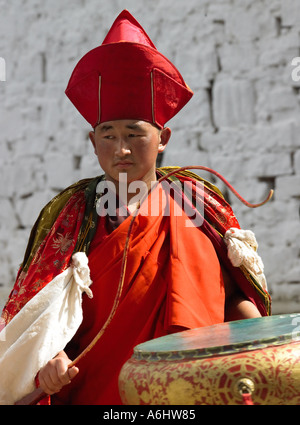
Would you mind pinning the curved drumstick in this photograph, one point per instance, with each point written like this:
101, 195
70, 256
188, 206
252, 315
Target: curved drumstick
210, 170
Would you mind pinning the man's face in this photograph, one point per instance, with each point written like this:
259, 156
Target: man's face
129, 146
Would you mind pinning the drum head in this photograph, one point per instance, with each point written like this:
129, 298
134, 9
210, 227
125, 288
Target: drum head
223, 338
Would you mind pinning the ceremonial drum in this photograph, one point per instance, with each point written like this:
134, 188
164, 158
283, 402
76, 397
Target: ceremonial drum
217, 365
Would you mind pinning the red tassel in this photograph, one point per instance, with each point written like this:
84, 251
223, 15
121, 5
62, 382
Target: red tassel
247, 399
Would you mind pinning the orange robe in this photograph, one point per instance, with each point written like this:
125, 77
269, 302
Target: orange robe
173, 279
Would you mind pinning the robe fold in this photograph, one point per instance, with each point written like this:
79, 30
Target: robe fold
173, 280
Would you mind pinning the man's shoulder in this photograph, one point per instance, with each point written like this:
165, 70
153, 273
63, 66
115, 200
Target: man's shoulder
84, 186
80, 185
75, 194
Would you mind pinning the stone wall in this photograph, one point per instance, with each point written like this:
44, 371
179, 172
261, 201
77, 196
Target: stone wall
243, 120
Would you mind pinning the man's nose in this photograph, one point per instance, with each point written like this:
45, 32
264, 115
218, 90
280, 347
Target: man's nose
123, 147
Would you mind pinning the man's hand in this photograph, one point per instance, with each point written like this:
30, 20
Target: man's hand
56, 374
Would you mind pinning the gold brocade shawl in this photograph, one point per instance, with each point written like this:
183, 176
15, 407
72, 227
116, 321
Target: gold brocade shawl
218, 218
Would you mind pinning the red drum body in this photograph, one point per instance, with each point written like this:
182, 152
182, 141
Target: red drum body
216, 365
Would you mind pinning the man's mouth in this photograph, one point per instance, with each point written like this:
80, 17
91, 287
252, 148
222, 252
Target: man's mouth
123, 164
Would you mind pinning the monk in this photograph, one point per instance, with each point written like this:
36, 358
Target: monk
178, 276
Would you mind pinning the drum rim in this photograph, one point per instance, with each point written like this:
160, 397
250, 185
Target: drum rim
215, 351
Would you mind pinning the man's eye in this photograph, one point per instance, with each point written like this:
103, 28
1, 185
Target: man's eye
135, 135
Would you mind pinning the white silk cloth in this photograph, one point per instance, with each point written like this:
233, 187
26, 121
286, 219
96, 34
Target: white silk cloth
242, 251
41, 329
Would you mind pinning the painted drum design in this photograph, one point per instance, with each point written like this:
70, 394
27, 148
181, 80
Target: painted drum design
216, 364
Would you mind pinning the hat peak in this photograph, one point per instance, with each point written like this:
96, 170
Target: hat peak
127, 28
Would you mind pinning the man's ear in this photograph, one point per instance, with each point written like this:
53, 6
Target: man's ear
165, 135
92, 139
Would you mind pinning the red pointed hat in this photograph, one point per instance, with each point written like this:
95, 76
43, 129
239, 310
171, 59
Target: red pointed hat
127, 78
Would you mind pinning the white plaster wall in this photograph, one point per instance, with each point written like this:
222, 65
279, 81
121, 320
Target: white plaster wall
243, 120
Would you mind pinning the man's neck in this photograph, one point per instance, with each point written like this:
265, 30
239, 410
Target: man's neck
132, 192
